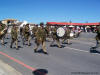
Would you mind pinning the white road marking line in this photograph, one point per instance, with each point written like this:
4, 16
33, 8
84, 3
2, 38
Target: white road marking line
76, 49
84, 42
81, 50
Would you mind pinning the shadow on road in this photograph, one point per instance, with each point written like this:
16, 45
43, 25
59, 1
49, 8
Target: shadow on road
66, 43
40, 72
18, 47
5, 42
40, 51
93, 50
62, 46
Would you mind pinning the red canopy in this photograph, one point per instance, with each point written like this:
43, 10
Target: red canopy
91, 23
66, 23
57, 23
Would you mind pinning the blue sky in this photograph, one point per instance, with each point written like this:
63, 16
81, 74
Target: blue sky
37, 11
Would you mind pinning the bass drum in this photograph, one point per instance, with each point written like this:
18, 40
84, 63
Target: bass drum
71, 34
60, 32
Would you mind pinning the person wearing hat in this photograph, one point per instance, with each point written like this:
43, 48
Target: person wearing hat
66, 37
55, 37
40, 38
98, 37
34, 29
14, 36
26, 34
2, 26
3, 31
47, 29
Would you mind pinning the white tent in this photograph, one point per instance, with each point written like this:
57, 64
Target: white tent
24, 23
71, 26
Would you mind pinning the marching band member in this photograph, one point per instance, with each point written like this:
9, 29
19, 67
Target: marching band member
55, 37
3, 31
66, 37
40, 38
98, 37
14, 36
26, 34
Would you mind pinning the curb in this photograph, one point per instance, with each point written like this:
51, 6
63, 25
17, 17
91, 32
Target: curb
5, 69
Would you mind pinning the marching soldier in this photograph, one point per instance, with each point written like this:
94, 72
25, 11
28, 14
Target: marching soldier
34, 30
2, 26
3, 31
55, 37
14, 36
47, 29
26, 34
40, 38
98, 37
66, 36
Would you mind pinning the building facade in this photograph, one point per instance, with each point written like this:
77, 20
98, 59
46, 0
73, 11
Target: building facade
9, 21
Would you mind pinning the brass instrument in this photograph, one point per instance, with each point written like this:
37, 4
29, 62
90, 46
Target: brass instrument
3, 31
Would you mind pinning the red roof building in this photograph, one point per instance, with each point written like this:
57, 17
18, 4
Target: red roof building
74, 24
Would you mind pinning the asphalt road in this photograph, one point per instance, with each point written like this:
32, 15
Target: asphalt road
74, 59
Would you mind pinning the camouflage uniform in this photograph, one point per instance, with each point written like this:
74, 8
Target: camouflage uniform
0, 31
47, 29
26, 34
14, 36
98, 37
66, 36
2, 26
40, 39
34, 31
2, 34
55, 37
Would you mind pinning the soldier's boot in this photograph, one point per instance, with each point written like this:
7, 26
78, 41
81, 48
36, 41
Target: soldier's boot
37, 45
10, 46
35, 49
45, 53
11, 43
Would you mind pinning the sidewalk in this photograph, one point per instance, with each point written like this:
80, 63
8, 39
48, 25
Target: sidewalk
5, 69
